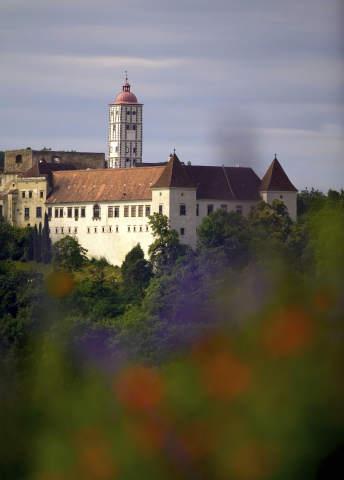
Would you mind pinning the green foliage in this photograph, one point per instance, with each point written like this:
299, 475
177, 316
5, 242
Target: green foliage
166, 248
13, 241
136, 274
68, 254
46, 242
227, 231
20, 296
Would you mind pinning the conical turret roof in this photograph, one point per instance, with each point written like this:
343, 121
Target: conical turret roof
275, 179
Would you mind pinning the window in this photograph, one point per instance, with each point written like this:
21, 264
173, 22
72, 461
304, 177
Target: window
56, 212
281, 196
182, 209
95, 229
134, 149
116, 212
96, 211
160, 209
140, 210
182, 231
61, 229
197, 209
147, 210
238, 209
41, 194
88, 230
30, 193
38, 212
224, 207
128, 112
128, 228
56, 230
110, 212
23, 194
26, 213
126, 211
83, 212
147, 228
134, 127
134, 228
110, 229
69, 212
127, 127
116, 228
133, 210
76, 213
210, 209
19, 158
103, 229
49, 212
140, 228
69, 230
134, 112
61, 212
75, 229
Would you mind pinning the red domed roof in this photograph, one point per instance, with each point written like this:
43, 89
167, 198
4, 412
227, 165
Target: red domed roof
126, 96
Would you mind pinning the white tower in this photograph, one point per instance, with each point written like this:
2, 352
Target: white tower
125, 129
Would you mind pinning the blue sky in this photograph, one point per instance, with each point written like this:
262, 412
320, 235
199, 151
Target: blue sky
224, 82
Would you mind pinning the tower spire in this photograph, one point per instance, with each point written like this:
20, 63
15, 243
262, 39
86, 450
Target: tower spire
126, 86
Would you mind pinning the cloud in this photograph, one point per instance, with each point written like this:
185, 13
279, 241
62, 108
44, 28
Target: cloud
257, 77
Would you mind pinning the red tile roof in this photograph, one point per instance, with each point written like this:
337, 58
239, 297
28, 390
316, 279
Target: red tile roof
174, 175
225, 183
120, 184
275, 179
101, 185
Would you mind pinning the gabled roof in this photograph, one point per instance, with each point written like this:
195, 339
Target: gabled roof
225, 183
101, 185
174, 175
275, 179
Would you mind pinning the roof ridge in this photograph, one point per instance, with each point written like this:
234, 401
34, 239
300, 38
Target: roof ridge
228, 182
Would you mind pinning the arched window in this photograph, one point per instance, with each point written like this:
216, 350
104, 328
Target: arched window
96, 211
19, 158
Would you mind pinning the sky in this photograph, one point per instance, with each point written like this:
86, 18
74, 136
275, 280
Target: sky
224, 82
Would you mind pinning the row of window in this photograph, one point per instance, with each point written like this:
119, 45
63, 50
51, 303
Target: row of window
29, 194
113, 211
104, 229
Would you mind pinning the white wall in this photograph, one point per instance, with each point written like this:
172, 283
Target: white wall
96, 235
288, 198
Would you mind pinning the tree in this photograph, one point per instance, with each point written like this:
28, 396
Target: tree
46, 242
136, 274
227, 231
36, 241
166, 248
68, 254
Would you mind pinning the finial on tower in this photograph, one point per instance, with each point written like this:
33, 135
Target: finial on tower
174, 151
275, 156
126, 86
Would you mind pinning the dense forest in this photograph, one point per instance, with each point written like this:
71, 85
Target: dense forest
183, 365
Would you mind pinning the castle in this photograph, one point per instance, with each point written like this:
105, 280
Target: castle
106, 205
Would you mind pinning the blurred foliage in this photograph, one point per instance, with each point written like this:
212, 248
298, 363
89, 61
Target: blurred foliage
226, 363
